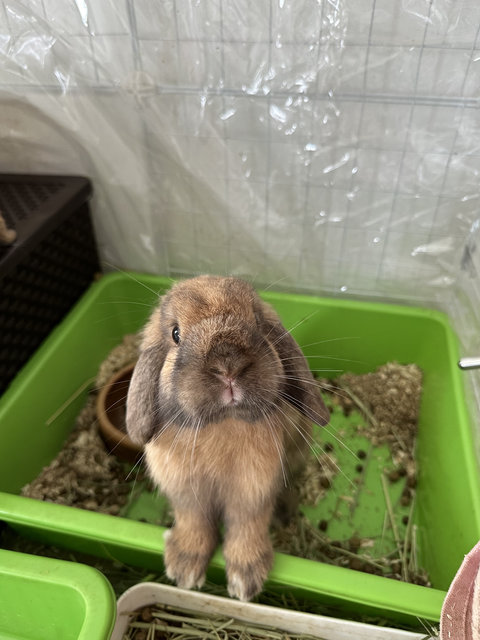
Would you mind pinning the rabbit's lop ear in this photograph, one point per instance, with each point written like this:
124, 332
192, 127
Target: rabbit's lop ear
143, 410
300, 388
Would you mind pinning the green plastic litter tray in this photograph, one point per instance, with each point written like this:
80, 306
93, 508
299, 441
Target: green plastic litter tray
39, 408
45, 598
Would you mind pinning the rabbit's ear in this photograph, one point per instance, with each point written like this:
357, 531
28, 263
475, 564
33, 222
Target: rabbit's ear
143, 410
301, 389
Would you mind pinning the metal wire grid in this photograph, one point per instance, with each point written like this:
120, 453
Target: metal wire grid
275, 247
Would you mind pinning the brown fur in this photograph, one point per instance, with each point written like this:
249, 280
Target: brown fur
219, 461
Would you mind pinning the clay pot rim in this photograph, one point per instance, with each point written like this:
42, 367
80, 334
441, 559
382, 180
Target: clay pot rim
108, 430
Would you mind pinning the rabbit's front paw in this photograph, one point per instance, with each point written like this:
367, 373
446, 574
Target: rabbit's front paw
245, 581
186, 567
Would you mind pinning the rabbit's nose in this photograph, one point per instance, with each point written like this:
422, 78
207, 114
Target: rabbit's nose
227, 373
228, 382
227, 378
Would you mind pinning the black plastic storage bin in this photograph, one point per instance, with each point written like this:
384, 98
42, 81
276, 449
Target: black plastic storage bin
51, 263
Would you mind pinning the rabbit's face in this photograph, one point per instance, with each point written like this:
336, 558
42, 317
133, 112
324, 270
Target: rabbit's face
212, 349
219, 363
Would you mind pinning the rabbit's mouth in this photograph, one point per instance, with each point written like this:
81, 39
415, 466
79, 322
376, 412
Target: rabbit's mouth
231, 395
230, 392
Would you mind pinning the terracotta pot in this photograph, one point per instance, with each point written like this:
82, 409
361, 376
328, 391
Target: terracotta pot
111, 406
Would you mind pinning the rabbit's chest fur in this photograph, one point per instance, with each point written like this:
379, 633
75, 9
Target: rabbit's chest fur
226, 461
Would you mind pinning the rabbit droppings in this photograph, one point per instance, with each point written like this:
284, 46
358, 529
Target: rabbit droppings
223, 400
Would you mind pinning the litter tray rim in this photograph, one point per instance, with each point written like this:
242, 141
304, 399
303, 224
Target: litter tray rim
320, 579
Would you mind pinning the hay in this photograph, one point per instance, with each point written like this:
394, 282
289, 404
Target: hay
83, 474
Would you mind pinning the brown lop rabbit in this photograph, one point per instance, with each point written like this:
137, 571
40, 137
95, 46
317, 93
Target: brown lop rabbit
223, 400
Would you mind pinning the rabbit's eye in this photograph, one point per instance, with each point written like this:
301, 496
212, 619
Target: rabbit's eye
176, 334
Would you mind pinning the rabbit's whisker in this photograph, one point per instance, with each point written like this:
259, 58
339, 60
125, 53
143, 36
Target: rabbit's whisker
178, 436
292, 328
116, 403
99, 387
312, 344
333, 389
309, 439
154, 439
132, 277
166, 425
192, 487
142, 457
340, 442
298, 379
135, 466
276, 442
323, 357
330, 432
123, 302
272, 284
194, 444
337, 467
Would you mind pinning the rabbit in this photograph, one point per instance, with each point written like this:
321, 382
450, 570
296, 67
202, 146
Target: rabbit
223, 401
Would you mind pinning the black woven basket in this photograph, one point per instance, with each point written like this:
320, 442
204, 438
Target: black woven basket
53, 260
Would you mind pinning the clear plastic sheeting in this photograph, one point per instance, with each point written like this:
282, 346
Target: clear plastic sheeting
330, 146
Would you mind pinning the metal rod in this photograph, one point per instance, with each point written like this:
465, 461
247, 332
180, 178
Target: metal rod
469, 363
